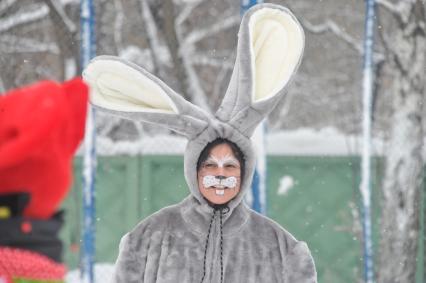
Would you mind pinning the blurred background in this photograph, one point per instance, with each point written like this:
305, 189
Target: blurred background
313, 140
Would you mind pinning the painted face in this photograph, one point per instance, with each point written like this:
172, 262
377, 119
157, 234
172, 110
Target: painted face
219, 177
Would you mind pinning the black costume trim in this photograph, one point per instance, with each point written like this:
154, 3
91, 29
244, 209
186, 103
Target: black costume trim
42, 237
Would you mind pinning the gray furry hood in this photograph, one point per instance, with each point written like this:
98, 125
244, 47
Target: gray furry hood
270, 48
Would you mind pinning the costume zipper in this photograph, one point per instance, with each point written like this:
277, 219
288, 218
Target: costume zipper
217, 251
207, 246
213, 254
211, 244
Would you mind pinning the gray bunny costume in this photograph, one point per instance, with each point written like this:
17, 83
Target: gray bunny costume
193, 241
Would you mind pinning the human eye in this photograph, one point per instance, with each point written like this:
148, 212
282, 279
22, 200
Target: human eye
231, 166
209, 165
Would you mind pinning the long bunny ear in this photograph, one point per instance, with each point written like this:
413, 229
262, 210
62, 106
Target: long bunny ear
270, 48
126, 90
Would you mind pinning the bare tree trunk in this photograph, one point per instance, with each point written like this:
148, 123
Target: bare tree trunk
404, 164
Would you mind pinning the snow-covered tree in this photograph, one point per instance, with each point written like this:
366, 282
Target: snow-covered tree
404, 38
38, 40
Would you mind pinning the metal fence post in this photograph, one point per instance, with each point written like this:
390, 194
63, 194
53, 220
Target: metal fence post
88, 48
365, 186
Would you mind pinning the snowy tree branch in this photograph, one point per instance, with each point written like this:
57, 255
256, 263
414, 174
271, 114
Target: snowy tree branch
45, 72
70, 2
57, 8
183, 69
218, 82
65, 32
13, 44
118, 25
187, 11
35, 13
5, 4
383, 37
204, 59
108, 124
152, 34
396, 10
221, 25
331, 26
196, 92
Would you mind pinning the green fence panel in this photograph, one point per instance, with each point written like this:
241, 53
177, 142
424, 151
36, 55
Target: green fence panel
117, 207
317, 210
162, 182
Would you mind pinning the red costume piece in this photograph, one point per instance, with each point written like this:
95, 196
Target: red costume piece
40, 128
21, 264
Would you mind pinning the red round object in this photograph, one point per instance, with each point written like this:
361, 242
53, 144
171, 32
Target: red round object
26, 227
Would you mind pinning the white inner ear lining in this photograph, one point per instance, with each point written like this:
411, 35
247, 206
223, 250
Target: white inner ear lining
131, 100
283, 32
139, 76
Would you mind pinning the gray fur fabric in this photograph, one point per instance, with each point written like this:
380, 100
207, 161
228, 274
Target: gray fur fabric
169, 247
191, 241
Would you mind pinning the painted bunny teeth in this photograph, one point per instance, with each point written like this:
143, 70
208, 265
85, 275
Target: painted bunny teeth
220, 192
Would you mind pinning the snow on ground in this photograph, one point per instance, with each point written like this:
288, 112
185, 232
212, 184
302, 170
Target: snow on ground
286, 184
103, 274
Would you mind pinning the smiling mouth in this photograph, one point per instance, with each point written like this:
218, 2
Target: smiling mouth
219, 189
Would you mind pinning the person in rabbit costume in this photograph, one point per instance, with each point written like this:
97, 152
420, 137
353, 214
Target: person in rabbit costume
200, 240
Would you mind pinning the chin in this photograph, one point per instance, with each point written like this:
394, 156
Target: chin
213, 198
219, 200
